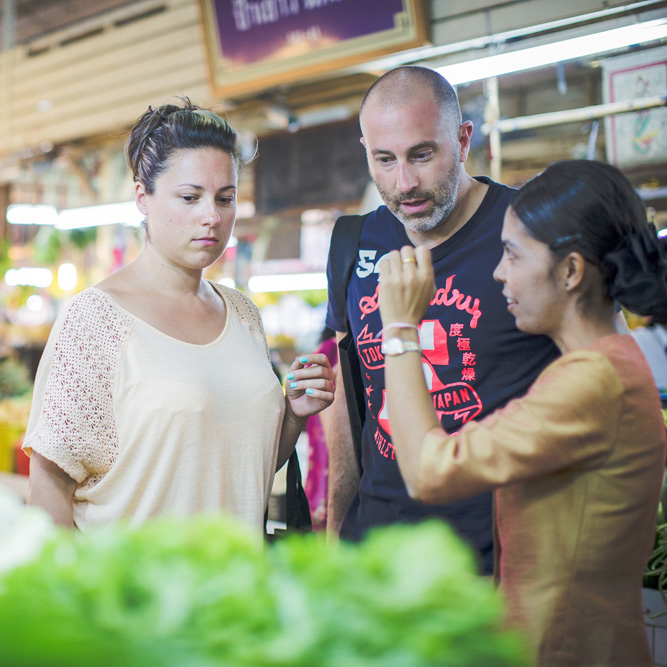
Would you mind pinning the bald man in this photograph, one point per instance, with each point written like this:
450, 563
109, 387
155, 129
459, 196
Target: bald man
474, 358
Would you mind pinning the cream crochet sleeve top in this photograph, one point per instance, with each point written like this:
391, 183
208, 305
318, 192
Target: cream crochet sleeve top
72, 414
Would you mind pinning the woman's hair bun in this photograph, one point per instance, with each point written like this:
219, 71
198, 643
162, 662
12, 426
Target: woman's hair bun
638, 272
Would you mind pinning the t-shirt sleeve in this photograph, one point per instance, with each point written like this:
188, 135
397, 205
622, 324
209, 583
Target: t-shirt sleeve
336, 292
71, 419
565, 420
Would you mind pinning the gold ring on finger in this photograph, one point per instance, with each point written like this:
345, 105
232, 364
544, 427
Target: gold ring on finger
409, 260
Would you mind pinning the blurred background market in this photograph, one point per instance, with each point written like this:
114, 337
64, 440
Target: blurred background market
541, 80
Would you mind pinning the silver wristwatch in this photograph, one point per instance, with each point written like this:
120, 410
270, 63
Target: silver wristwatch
395, 346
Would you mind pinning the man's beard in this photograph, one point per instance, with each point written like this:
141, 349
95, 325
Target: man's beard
443, 202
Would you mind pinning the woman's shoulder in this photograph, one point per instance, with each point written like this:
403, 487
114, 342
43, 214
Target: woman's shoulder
243, 308
242, 304
593, 359
611, 367
583, 373
94, 301
92, 313
88, 333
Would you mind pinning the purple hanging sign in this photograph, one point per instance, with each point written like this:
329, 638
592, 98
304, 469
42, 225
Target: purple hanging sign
250, 41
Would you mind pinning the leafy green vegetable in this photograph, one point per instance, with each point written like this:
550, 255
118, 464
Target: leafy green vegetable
203, 592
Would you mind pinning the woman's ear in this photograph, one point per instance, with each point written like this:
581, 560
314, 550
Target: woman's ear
574, 267
140, 195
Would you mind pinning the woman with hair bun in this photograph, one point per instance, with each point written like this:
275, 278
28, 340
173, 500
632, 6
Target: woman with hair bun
577, 463
155, 394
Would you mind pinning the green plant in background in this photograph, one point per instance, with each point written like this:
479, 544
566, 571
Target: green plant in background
5, 261
14, 378
22, 293
49, 243
656, 570
203, 592
81, 238
655, 575
47, 246
314, 297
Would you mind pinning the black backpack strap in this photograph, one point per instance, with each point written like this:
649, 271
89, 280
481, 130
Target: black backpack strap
342, 258
297, 511
343, 254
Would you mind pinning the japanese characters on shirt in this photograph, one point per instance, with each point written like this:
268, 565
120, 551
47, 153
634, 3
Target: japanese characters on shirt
444, 347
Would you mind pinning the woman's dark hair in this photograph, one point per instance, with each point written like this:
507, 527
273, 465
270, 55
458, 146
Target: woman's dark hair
590, 207
159, 132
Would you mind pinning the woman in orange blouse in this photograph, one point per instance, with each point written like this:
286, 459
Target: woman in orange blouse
577, 463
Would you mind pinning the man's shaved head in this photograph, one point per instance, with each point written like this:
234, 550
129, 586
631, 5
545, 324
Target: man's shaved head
402, 83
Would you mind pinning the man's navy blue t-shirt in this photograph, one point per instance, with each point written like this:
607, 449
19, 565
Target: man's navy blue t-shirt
474, 359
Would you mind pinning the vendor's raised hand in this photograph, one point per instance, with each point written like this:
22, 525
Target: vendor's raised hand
406, 285
309, 385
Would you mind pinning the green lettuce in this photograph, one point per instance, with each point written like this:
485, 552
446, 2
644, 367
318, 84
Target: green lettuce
204, 592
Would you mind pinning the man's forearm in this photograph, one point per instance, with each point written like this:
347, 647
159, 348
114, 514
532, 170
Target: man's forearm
343, 486
343, 480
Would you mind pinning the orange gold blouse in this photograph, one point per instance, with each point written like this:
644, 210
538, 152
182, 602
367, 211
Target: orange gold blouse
577, 465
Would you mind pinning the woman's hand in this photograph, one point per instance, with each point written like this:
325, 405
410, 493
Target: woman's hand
309, 385
406, 285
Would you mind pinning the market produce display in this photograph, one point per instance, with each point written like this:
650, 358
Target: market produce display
655, 575
15, 398
203, 592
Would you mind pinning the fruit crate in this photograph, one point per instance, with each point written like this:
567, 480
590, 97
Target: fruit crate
10, 435
14, 412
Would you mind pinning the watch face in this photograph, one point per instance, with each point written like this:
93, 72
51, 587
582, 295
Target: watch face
395, 346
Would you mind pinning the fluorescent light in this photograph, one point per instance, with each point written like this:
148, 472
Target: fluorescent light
324, 115
124, 213
548, 54
27, 214
27, 275
288, 282
67, 278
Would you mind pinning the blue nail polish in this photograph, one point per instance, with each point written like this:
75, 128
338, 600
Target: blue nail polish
290, 376
293, 385
303, 360
309, 391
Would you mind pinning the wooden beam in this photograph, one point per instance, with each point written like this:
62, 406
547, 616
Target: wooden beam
575, 115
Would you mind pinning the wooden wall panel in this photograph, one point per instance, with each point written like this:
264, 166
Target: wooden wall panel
109, 87
95, 77
34, 18
455, 21
101, 83
523, 10
7, 60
